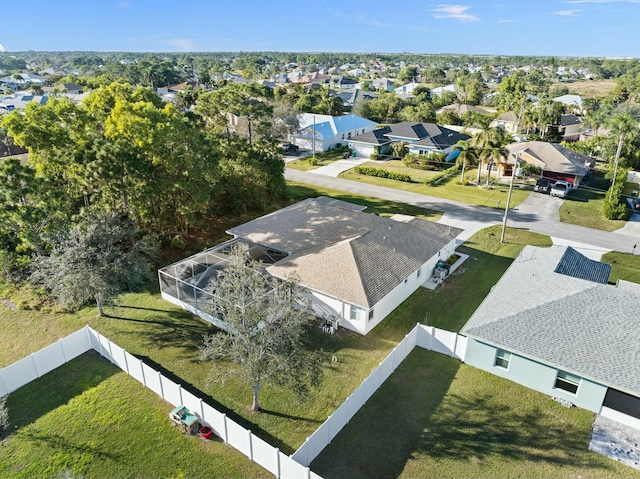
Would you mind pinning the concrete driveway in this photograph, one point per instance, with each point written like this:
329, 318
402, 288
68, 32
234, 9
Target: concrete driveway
339, 166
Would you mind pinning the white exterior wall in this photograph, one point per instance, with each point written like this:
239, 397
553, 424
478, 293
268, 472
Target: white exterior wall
633, 177
405, 289
306, 143
362, 150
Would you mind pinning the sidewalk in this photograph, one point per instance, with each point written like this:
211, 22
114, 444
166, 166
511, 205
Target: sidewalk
339, 166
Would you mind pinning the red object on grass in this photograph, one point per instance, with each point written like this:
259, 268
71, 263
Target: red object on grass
206, 432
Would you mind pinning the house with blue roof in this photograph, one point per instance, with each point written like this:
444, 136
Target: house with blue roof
324, 132
554, 324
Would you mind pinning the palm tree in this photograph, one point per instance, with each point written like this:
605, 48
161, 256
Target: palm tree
624, 127
596, 119
492, 152
467, 153
489, 147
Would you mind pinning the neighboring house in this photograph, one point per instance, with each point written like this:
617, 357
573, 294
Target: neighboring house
570, 127
508, 121
19, 101
553, 324
329, 131
383, 84
420, 139
71, 88
462, 108
344, 83
555, 161
349, 98
407, 89
453, 88
572, 102
356, 267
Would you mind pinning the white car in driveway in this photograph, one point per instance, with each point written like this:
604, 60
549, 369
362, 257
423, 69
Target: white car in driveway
561, 189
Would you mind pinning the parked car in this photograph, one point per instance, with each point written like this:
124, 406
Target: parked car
543, 185
289, 148
561, 189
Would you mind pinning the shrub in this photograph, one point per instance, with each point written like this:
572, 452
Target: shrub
375, 156
432, 161
381, 173
312, 160
442, 176
614, 208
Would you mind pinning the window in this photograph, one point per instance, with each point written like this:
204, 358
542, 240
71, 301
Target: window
502, 359
418, 273
567, 381
356, 313
370, 314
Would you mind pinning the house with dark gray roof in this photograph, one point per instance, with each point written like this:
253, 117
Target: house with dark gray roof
553, 323
570, 127
420, 139
355, 267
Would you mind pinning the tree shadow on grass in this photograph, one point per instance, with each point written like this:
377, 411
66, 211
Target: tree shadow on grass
66, 447
255, 429
56, 388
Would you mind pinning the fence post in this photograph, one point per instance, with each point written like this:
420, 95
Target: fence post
35, 366
226, 434
64, 356
126, 363
455, 345
161, 388
278, 463
180, 394
201, 408
110, 352
250, 446
4, 386
144, 380
308, 473
88, 330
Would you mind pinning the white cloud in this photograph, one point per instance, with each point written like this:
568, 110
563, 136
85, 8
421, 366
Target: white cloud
182, 43
124, 4
1, 47
567, 13
457, 12
509, 20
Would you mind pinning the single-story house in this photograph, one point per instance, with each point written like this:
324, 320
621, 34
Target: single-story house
462, 108
508, 121
570, 127
453, 88
555, 161
420, 139
344, 83
350, 97
407, 89
553, 324
355, 267
328, 131
573, 102
383, 84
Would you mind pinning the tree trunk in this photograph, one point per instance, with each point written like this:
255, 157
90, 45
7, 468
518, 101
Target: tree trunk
99, 304
464, 163
256, 390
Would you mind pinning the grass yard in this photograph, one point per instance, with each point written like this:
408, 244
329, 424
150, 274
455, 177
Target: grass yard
321, 159
591, 88
300, 191
584, 208
90, 419
436, 417
449, 189
623, 266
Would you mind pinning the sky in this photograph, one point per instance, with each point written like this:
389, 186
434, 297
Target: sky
596, 28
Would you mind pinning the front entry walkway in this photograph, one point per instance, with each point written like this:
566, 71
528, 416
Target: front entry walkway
615, 440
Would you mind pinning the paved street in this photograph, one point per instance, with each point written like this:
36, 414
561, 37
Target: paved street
538, 213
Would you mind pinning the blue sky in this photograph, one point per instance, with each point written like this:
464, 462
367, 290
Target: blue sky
507, 27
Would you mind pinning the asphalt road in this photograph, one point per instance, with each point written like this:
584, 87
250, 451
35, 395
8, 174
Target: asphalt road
538, 213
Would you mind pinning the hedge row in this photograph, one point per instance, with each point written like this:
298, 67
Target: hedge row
431, 161
380, 173
442, 176
616, 209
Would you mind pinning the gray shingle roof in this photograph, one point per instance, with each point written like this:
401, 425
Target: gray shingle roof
579, 266
375, 137
587, 328
551, 157
352, 255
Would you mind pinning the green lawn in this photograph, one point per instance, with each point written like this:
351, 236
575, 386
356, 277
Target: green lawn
623, 265
90, 419
584, 208
450, 189
321, 159
300, 191
438, 418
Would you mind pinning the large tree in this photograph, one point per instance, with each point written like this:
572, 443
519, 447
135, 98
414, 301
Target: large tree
467, 154
267, 324
95, 260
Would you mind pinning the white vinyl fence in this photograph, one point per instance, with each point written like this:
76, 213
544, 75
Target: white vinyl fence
426, 337
633, 177
279, 464
37, 364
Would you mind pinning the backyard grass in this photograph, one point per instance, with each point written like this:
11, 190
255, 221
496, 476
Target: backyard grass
623, 266
321, 159
89, 419
449, 189
436, 417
